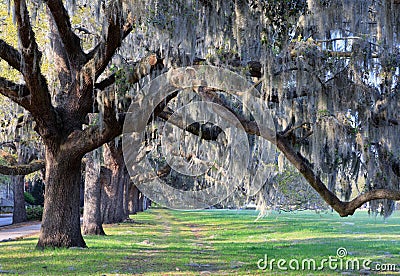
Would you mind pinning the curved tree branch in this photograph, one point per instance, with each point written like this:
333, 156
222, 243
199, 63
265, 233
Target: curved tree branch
116, 32
40, 102
99, 58
10, 55
94, 136
343, 208
70, 41
360, 200
22, 169
18, 93
136, 71
303, 165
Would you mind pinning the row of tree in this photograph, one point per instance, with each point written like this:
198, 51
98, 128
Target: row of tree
327, 71
109, 194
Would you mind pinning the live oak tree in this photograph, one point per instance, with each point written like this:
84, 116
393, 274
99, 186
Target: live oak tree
327, 70
330, 79
59, 119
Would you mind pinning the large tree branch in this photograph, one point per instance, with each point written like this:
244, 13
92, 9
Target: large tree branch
40, 102
251, 127
10, 55
93, 137
99, 58
302, 164
71, 42
62, 62
22, 169
343, 208
97, 135
117, 30
18, 93
134, 72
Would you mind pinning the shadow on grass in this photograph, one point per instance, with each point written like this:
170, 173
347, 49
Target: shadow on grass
162, 242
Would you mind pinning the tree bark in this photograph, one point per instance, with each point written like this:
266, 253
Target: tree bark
92, 202
61, 125
19, 213
61, 215
113, 191
140, 203
133, 199
127, 184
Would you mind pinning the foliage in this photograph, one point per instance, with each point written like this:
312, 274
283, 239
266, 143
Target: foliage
29, 198
8, 32
294, 193
4, 178
34, 212
282, 18
38, 191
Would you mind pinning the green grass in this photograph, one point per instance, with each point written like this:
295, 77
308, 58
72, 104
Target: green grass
220, 242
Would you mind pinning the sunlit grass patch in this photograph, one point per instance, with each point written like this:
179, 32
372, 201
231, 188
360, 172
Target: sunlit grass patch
165, 242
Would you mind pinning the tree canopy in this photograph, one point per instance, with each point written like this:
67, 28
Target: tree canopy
326, 71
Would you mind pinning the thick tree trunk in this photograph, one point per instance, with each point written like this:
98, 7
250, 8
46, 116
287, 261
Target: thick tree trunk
92, 202
19, 213
113, 191
61, 215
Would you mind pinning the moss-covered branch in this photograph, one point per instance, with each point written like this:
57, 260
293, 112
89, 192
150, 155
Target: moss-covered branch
22, 169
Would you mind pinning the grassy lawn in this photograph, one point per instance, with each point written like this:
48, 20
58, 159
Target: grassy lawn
216, 242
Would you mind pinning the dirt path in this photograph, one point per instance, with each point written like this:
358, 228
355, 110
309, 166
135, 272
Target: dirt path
203, 251
175, 229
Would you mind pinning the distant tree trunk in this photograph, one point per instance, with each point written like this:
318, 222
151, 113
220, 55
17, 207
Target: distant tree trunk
19, 213
61, 215
92, 200
140, 203
127, 185
105, 194
148, 203
113, 191
133, 199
